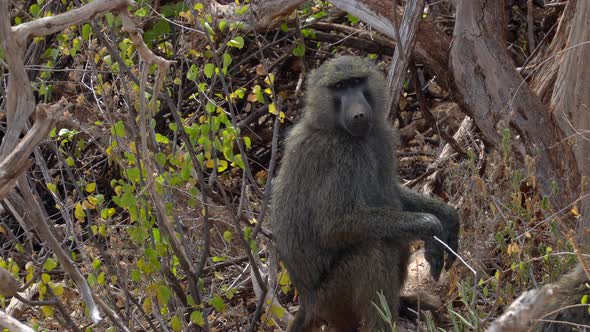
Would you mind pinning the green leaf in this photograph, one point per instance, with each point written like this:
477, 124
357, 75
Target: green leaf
86, 30
197, 318
52, 187
247, 141
58, 289
222, 25
133, 174
176, 324
45, 278
47, 311
119, 129
96, 264
210, 107
76, 46
209, 70
277, 311
161, 158
102, 230
162, 139
79, 212
237, 42
162, 27
222, 165
110, 19
99, 198
49, 264
91, 279
307, 33
242, 10
141, 12
217, 303
272, 108
285, 282
192, 73
209, 30
91, 187
217, 259
228, 236
163, 294
135, 275
352, 19
226, 62
35, 9
299, 50
101, 279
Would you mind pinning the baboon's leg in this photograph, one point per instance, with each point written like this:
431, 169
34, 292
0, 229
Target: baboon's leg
302, 321
344, 301
385, 280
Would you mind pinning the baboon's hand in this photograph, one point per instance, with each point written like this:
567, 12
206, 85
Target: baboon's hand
435, 255
435, 252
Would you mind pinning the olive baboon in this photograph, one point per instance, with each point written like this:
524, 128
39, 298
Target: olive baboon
341, 220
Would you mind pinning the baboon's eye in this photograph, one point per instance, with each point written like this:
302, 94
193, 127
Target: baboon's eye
355, 81
339, 85
368, 97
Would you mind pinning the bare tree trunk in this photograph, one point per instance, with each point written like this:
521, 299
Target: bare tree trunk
571, 102
490, 90
546, 63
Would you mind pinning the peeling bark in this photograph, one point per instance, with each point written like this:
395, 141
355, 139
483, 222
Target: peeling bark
571, 102
546, 63
490, 90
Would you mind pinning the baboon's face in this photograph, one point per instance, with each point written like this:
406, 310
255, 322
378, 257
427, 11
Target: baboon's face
346, 94
352, 105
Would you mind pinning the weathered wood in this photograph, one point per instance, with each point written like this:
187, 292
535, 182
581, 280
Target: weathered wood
571, 102
490, 90
16, 162
547, 61
11, 324
521, 314
401, 57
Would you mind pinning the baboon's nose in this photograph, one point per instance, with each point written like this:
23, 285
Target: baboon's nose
359, 116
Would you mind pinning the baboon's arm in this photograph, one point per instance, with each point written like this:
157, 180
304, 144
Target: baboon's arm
377, 223
415, 202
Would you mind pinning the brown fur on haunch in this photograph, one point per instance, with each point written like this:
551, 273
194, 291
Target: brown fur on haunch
341, 220
569, 290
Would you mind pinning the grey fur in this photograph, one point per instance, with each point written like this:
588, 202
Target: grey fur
341, 220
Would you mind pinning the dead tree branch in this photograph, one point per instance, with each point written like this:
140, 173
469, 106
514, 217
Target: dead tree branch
7, 322
401, 56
